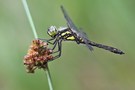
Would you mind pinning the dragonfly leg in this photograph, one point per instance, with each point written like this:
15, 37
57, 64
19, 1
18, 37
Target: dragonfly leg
55, 44
59, 49
47, 40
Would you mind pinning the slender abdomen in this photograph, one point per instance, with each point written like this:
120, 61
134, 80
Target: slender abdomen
109, 48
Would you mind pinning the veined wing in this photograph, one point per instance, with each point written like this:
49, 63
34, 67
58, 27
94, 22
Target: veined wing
69, 21
75, 30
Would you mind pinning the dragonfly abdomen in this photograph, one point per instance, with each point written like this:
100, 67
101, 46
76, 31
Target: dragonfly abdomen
109, 48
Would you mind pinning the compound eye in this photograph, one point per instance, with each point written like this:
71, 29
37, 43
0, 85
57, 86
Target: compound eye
52, 31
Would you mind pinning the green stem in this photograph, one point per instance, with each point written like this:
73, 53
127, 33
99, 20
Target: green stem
36, 36
30, 18
48, 77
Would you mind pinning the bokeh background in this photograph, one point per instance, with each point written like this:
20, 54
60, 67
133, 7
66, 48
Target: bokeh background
111, 22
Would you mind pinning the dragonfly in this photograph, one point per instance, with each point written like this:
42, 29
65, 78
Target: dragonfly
72, 33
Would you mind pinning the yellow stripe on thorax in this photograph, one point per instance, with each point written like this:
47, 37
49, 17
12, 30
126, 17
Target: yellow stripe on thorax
69, 38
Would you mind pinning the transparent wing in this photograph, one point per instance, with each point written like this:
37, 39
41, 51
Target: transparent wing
75, 30
69, 21
85, 38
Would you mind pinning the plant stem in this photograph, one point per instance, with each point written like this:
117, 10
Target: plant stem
30, 18
48, 77
36, 36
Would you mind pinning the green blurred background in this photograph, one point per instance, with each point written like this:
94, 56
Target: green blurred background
111, 22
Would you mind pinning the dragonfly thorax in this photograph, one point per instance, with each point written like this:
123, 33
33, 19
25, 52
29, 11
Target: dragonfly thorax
62, 29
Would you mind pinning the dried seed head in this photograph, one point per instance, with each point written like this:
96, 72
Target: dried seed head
38, 55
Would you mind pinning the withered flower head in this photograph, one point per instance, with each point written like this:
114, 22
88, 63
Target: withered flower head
38, 55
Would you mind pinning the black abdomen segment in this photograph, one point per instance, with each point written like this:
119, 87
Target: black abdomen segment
109, 48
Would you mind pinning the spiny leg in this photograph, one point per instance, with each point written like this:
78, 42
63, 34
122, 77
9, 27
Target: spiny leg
60, 44
59, 49
55, 43
47, 40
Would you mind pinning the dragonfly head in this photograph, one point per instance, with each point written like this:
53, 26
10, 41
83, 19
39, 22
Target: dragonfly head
52, 31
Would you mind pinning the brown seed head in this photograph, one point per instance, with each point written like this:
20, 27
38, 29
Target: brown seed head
38, 55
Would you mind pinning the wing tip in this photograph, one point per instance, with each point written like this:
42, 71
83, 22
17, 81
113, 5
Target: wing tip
62, 8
